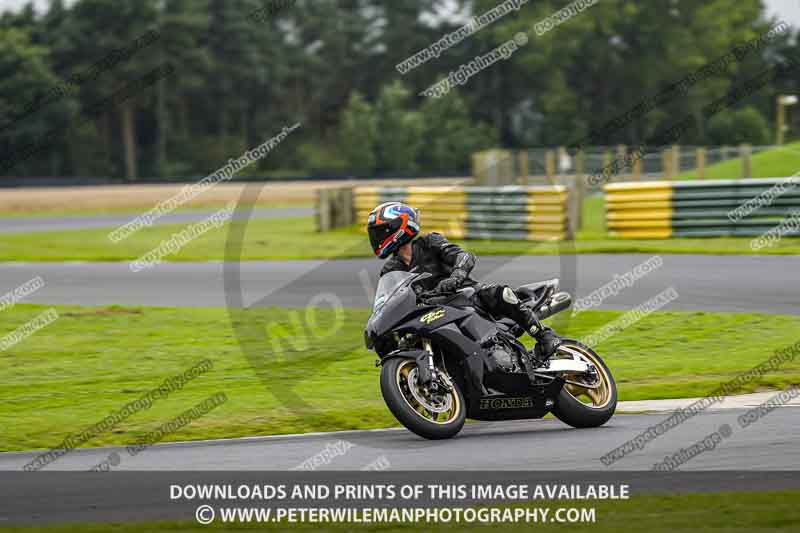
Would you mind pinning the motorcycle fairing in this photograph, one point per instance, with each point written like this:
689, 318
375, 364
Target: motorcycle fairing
535, 402
476, 359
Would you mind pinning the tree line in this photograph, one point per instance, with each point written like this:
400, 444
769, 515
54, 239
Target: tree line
235, 72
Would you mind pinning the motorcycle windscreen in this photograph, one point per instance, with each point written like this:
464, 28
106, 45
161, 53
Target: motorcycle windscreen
387, 285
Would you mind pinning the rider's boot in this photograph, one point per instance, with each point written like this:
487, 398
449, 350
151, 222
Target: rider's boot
547, 342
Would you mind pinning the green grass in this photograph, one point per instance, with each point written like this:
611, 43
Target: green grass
778, 162
92, 361
593, 227
280, 238
750, 512
297, 238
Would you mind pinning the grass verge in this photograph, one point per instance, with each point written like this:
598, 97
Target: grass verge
751, 512
92, 361
297, 238
778, 162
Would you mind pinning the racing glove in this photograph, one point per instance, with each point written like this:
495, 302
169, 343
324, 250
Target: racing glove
453, 283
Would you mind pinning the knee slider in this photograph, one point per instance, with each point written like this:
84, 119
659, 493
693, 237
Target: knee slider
509, 296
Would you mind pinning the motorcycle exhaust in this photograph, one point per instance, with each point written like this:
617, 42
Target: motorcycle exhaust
557, 303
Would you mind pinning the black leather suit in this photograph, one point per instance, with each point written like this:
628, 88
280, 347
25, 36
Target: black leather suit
435, 254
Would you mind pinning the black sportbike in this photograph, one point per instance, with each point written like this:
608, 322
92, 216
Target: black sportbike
445, 359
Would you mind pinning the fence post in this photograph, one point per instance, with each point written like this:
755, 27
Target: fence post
335, 208
500, 167
491, 169
522, 161
636, 168
676, 160
622, 152
701, 163
479, 167
576, 195
550, 166
323, 210
666, 163
562, 161
745, 153
508, 174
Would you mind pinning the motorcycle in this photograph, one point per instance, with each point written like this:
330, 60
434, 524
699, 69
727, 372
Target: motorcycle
444, 359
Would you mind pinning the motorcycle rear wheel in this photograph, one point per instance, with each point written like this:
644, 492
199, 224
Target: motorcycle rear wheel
586, 407
430, 416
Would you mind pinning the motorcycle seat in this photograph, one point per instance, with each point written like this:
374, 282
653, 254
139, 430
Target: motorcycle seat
536, 290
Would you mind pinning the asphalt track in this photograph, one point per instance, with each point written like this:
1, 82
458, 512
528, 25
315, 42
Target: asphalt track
25, 224
703, 282
712, 283
768, 444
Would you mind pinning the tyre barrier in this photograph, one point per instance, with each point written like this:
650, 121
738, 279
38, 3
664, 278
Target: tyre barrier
496, 213
708, 208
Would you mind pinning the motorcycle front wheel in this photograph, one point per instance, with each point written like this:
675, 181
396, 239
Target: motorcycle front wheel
434, 416
583, 402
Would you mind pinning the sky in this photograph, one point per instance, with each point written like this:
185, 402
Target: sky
787, 10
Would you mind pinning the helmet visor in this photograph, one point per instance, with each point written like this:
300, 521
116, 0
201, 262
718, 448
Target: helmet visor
378, 233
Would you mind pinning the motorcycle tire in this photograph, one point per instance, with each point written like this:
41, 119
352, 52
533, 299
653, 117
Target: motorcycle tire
395, 387
577, 414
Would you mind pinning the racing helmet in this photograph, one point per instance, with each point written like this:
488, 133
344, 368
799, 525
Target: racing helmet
390, 226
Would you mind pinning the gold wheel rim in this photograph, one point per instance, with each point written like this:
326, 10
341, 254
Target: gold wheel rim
598, 395
404, 384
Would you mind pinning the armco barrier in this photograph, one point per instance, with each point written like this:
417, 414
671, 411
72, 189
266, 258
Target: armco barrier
497, 213
664, 209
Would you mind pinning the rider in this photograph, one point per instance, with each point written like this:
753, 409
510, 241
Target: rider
392, 228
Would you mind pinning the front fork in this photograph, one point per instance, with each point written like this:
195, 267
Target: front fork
439, 379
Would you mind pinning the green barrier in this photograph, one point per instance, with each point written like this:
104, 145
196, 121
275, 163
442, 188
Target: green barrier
493, 213
718, 208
